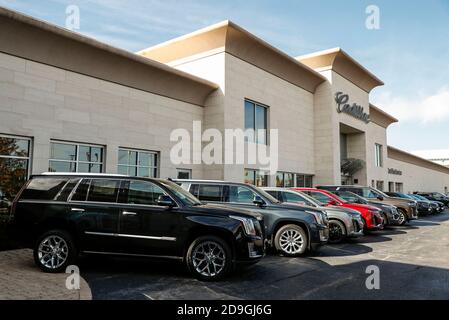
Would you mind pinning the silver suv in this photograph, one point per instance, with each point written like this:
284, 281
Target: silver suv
343, 222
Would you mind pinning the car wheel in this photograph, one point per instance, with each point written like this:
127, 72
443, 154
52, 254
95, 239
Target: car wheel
402, 217
209, 258
385, 222
54, 251
337, 231
291, 240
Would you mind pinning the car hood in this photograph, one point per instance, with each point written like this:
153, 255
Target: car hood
295, 206
362, 206
339, 210
222, 209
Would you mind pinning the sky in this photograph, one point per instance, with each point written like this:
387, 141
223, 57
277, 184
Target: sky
409, 52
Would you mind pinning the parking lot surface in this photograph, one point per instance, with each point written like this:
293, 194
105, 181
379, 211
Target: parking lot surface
413, 262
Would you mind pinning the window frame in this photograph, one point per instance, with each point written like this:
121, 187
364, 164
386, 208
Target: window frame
190, 171
256, 173
378, 155
254, 137
137, 166
29, 158
77, 162
295, 179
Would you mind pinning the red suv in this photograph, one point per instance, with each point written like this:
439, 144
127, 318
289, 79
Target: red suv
372, 216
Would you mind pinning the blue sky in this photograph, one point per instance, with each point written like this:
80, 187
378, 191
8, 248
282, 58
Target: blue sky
410, 51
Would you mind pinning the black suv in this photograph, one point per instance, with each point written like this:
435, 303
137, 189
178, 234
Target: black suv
290, 228
435, 196
63, 215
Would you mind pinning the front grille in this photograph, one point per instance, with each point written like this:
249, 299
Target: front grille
356, 225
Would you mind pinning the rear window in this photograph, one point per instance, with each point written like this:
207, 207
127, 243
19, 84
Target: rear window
43, 188
210, 192
103, 190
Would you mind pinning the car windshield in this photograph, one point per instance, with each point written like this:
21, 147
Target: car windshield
372, 193
420, 197
404, 196
351, 197
265, 194
183, 195
309, 200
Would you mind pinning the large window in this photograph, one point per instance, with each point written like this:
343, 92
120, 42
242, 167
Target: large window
399, 187
288, 180
256, 178
14, 167
380, 185
75, 157
138, 163
256, 121
378, 155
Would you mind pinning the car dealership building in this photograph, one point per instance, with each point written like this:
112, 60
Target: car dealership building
71, 103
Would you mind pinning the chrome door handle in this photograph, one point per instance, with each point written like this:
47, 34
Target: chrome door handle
77, 210
128, 213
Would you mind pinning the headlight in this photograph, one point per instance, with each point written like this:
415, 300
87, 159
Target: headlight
318, 216
250, 229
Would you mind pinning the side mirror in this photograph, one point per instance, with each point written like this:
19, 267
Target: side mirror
258, 201
380, 198
332, 202
165, 201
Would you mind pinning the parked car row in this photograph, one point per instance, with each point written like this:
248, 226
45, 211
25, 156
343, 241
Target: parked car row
211, 226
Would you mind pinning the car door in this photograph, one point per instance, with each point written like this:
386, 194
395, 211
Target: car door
93, 208
146, 227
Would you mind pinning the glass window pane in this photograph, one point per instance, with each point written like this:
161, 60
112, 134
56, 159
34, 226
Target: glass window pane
308, 183
62, 166
13, 174
132, 158
81, 192
103, 190
250, 176
249, 120
261, 124
91, 154
241, 195
293, 197
14, 147
142, 192
210, 193
62, 151
90, 167
123, 156
289, 180
184, 174
261, 179
280, 179
144, 172
43, 188
300, 181
122, 170
147, 159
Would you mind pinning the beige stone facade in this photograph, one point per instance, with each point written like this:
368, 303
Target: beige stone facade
206, 76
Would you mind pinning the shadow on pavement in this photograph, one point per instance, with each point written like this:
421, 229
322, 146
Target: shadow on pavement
273, 278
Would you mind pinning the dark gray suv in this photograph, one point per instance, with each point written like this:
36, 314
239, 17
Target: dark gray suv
290, 228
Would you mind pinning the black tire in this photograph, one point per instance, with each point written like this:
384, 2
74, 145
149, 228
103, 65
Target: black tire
402, 217
282, 236
337, 232
222, 250
66, 255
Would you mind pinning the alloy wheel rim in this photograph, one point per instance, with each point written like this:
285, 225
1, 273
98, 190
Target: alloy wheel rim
209, 258
401, 217
335, 232
53, 252
291, 241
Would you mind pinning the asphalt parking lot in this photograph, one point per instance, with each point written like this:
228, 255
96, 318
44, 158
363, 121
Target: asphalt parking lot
413, 262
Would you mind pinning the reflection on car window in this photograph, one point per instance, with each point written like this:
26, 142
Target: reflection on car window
240, 194
143, 192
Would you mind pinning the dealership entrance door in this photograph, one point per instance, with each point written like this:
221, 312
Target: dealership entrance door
352, 155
